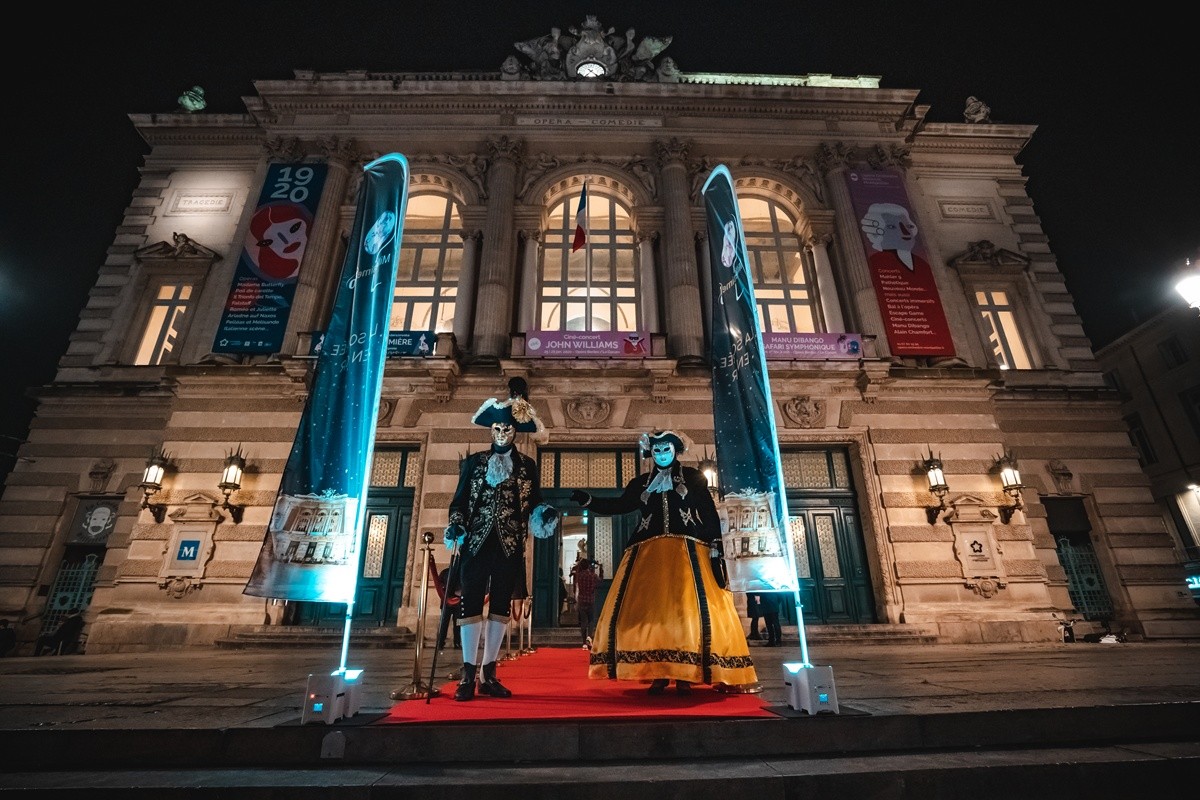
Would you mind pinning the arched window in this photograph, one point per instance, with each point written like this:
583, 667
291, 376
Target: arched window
783, 286
430, 260
596, 287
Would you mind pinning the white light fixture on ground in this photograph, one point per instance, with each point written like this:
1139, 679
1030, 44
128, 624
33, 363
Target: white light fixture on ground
810, 689
328, 698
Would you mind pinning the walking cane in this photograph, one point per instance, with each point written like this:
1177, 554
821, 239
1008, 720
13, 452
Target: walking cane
442, 619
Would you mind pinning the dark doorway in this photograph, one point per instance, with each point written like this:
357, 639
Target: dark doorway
383, 548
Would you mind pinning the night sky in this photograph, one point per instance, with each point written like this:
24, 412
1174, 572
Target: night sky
1112, 167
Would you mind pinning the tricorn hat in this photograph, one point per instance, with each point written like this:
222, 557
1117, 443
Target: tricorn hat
647, 440
516, 410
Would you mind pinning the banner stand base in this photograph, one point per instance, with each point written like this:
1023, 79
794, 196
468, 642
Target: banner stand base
328, 698
810, 689
417, 690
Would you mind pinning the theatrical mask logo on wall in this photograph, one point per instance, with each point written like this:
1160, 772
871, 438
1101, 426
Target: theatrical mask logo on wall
94, 522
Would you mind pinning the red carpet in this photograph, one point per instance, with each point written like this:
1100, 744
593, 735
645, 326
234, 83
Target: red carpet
552, 683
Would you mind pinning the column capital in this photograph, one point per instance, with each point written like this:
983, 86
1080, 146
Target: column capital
893, 155
471, 233
504, 149
818, 240
283, 149
671, 151
342, 152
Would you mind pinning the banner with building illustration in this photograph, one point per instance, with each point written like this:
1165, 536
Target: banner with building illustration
913, 317
749, 467
312, 546
264, 282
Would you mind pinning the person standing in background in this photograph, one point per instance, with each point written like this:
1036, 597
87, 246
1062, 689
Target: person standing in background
585, 577
754, 611
769, 603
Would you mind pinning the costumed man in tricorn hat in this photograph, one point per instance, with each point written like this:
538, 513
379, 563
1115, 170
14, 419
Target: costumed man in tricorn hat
498, 502
668, 614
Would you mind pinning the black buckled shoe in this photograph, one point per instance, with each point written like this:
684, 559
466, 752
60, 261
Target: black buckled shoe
657, 686
466, 685
489, 685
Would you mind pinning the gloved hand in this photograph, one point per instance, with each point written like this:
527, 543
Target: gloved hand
581, 497
453, 536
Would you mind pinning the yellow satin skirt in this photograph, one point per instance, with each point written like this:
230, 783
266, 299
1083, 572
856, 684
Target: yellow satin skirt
666, 617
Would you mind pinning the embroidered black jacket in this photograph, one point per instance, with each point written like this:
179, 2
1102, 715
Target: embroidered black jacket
481, 508
687, 508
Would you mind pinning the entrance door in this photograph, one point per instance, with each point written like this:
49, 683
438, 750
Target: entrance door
602, 474
834, 584
831, 559
380, 567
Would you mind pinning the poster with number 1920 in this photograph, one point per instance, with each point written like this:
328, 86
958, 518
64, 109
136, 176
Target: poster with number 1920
260, 298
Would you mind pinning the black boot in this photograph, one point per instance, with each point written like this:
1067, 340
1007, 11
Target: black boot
466, 685
489, 685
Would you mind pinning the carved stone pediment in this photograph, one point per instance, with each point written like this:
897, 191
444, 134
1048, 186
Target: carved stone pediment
182, 247
984, 254
588, 411
969, 508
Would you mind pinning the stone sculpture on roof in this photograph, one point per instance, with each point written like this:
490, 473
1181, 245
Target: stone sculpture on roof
592, 52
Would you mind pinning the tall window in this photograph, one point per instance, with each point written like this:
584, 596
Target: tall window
430, 260
782, 285
594, 288
1000, 322
1172, 352
1190, 399
164, 323
1141, 440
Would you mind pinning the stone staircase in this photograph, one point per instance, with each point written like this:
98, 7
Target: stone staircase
299, 636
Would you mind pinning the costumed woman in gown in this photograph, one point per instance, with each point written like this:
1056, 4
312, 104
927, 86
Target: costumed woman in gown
668, 615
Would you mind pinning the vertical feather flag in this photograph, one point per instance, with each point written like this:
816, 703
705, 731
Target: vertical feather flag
747, 444
312, 549
580, 221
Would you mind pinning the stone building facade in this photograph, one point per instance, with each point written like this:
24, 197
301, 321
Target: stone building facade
1155, 369
499, 161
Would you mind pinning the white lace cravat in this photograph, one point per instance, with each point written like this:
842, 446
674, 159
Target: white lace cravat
499, 468
663, 482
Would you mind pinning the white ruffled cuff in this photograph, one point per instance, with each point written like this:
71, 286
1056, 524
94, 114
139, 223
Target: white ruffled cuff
543, 522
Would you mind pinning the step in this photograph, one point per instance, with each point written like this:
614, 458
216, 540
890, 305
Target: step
298, 636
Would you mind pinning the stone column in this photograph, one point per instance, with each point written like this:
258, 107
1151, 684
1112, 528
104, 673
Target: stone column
464, 295
648, 286
860, 291
528, 303
493, 305
318, 271
685, 332
705, 277
817, 245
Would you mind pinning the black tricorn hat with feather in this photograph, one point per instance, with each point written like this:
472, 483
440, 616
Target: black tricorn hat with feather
516, 410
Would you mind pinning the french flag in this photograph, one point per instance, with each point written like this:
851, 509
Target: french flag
580, 221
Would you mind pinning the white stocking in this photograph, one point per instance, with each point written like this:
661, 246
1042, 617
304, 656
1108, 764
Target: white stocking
493, 638
470, 634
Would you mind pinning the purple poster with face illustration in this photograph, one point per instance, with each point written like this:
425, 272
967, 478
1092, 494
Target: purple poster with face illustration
904, 282
260, 299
